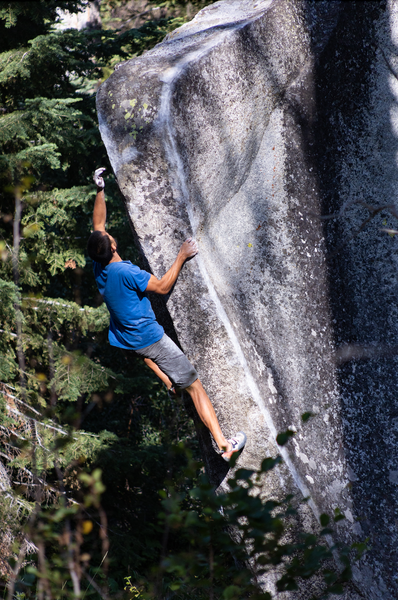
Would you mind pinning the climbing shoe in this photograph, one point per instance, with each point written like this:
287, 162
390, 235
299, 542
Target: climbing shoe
237, 442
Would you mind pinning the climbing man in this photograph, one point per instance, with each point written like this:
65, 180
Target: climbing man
133, 325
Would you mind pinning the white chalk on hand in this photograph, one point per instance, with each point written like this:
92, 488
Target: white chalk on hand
98, 180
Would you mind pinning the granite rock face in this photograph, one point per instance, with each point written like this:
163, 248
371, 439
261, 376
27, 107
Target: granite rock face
246, 128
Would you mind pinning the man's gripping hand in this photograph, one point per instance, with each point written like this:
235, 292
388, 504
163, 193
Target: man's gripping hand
188, 249
165, 284
98, 180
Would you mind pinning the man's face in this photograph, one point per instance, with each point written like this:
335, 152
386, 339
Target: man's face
112, 241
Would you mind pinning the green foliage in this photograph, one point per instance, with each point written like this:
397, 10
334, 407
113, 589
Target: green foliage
191, 549
201, 530
160, 17
283, 437
30, 18
306, 416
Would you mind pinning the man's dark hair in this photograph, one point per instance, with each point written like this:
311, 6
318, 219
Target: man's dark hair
99, 247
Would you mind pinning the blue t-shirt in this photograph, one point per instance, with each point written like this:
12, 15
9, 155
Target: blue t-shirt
133, 324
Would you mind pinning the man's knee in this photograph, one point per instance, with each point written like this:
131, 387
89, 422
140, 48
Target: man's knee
194, 385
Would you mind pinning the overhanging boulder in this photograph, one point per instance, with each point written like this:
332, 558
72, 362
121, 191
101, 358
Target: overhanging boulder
246, 128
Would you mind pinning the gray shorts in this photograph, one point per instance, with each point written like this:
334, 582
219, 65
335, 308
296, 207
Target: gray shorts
171, 360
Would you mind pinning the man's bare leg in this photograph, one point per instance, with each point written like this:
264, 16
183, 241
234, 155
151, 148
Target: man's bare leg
202, 404
162, 376
207, 414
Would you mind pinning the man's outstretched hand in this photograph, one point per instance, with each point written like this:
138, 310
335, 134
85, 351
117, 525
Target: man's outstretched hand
188, 249
165, 284
98, 180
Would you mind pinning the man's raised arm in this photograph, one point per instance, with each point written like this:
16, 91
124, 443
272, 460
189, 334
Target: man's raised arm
99, 214
164, 285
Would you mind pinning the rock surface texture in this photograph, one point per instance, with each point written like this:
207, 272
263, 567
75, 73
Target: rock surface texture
245, 128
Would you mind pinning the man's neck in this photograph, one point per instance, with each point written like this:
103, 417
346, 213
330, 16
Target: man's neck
115, 258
